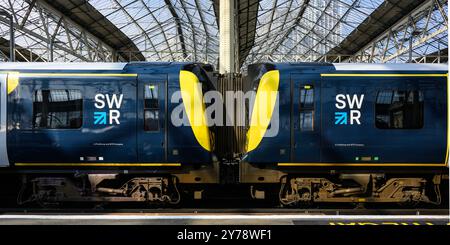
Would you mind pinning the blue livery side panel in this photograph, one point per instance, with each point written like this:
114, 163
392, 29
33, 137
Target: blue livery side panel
105, 122
358, 115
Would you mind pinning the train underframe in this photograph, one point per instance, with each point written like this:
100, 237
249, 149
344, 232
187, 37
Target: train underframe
291, 187
306, 187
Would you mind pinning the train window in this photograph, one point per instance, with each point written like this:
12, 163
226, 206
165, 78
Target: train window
151, 108
57, 109
399, 109
307, 108
151, 96
151, 122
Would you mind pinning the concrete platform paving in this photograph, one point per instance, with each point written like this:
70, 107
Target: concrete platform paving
219, 219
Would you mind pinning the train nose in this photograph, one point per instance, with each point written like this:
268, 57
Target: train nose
234, 140
263, 108
191, 92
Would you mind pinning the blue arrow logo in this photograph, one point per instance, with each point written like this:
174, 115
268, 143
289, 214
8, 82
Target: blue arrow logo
99, 117
340, 118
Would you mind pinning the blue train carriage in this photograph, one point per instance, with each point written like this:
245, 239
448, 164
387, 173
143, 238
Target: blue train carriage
344, 129
66, 118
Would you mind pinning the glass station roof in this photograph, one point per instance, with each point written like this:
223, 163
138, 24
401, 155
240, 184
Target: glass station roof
187, 30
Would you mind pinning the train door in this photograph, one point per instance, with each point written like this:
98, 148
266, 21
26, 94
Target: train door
152, 128
306, 121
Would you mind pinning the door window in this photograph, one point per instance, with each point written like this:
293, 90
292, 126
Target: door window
151, 107
307, 108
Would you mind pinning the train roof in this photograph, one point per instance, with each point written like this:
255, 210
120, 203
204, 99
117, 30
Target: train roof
389, 67
321, 67
61, 66
121, 66
75, 66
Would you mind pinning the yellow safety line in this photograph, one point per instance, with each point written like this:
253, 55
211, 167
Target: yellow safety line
76, 75
102, 164
382, 75
361, 164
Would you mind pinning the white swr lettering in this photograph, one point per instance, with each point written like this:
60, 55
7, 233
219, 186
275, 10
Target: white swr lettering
354, 116
114, 101
114, 115
355, 101
99, 103
340, 101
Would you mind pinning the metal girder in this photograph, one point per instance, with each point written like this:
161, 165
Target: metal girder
246, 21
192, 26
201, 34
203, 20
302, 30
288, 14
47, 33
419, 33
22, 54
387, 14
312, 30
166, 30
160, 26
291, 28
440, 56
179, 27
143, 31
267, 30
85, 15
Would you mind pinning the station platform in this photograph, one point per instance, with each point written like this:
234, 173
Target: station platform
219, 219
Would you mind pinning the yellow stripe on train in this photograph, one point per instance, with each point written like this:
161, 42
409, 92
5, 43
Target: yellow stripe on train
12, 81
191, 92
264, 105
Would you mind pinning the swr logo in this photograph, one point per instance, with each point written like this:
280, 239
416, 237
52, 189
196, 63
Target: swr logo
114, 101
354, 103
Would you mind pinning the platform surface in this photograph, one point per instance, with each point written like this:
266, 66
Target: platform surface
219, 219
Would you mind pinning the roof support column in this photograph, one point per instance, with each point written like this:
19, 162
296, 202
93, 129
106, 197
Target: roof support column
228, 57
230, 138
